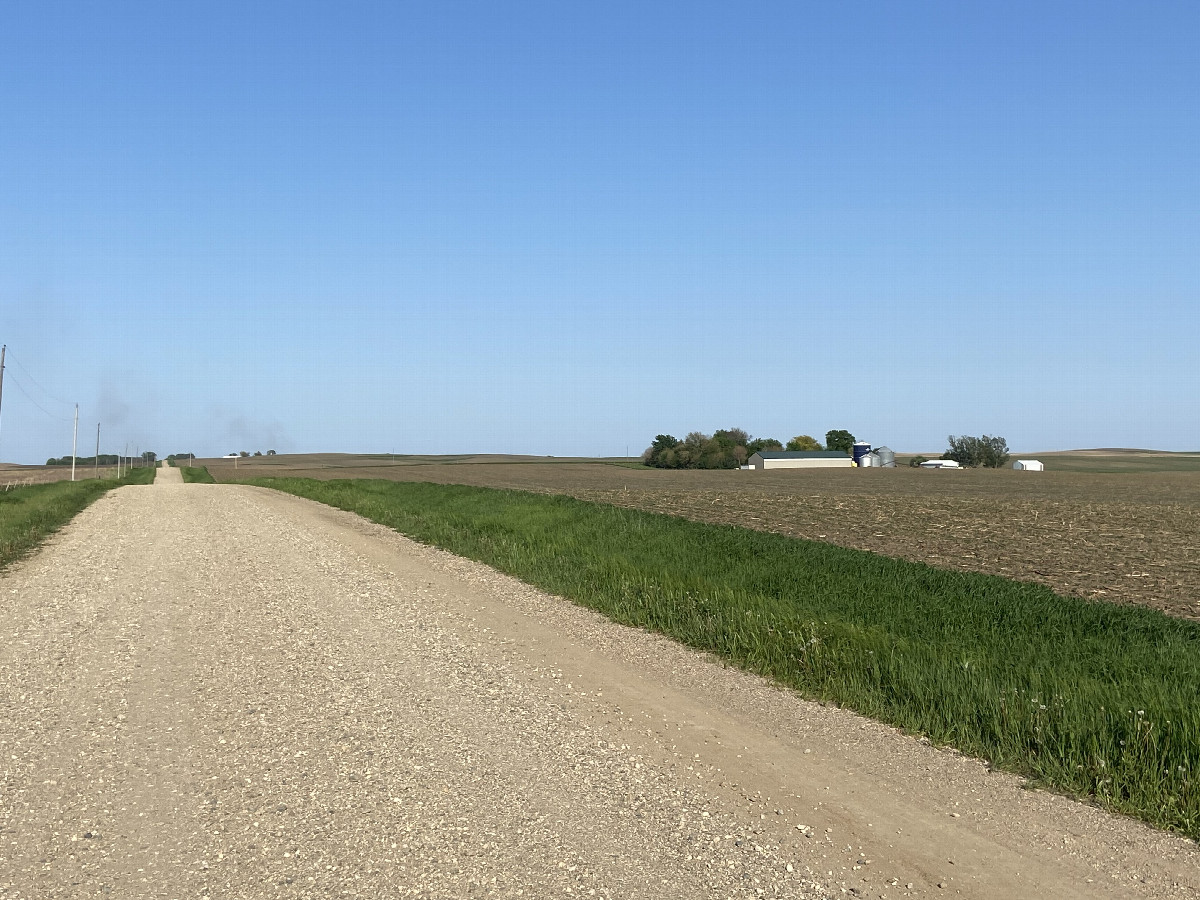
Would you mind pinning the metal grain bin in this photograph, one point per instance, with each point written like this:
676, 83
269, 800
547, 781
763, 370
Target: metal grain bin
887, 458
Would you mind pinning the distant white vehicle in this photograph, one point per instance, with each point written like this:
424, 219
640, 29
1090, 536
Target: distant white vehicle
940, 464
231, 456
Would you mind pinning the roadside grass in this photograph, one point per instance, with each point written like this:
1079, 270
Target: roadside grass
1094, 700
29, 514
196, 475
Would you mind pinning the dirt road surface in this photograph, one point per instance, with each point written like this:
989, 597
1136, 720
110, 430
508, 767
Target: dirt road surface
220, 691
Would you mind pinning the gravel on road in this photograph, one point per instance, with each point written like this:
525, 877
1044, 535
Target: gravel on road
220, 691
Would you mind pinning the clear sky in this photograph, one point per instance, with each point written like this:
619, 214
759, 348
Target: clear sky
562, 228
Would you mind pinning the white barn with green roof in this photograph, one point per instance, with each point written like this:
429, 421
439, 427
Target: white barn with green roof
800, 459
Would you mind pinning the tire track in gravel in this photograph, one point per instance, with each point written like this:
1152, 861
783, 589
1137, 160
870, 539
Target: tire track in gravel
219, 691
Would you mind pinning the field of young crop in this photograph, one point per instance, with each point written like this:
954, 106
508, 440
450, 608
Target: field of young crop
1093, 699
1127, 535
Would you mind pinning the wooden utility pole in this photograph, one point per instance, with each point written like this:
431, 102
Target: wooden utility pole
97, 467
3, 350
74, 441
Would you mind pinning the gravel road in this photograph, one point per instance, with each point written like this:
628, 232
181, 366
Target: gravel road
219, 691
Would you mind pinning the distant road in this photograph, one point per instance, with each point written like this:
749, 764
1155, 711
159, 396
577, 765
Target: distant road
219, 691
166, 474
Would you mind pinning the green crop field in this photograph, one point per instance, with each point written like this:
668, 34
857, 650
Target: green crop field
1093, 699
30, 513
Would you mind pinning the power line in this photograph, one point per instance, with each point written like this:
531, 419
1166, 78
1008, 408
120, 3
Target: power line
36, 383
29, 397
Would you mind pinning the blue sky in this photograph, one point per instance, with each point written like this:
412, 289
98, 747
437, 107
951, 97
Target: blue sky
563, 228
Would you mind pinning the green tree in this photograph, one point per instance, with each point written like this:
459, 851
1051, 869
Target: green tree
690, 452
731, 437
724, 449
727, 449
762, 444
995, 452
972, 452
839, 440
803, 442
661, 453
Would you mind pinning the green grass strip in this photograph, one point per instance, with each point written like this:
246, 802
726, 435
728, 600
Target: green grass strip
30, 513
196, 475
1092, 699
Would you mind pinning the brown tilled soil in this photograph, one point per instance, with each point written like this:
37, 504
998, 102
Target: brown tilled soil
1125, 537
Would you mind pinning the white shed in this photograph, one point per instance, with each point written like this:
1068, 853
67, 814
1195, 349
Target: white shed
1029, 465
940, 464
801, 459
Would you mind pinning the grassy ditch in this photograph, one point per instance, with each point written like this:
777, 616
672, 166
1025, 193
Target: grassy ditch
196, 475
30, 513
1092, 699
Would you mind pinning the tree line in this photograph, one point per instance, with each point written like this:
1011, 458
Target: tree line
729, 448
972, 452
989, 452
105, 459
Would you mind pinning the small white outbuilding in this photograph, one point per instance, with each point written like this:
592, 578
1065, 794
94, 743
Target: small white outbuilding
803, 459
940, 464
1029, 465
